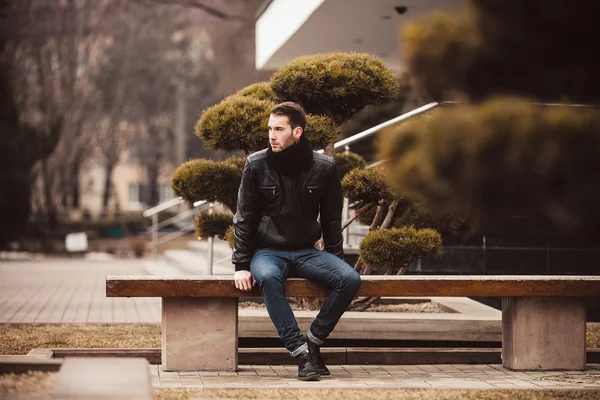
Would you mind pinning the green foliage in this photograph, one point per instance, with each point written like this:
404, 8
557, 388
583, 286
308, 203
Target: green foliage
260, 91
346, 162
208, 180
521, 44
211, 225
236, 162
502, 158
392, 249
320, 131
229, 236
335, 84
448, 39
236, 123
365, 186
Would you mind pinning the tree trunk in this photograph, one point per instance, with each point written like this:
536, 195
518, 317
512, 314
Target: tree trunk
51, 217
74, 195
107, 187
153, 191
328, 150
357, 213
75, 192
390, 215
377, 218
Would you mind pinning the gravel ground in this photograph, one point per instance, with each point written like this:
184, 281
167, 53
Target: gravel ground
375, 394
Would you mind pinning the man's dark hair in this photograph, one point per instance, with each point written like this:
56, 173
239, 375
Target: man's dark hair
293, 111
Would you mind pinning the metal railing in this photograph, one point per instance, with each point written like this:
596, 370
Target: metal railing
154, 211
371, 131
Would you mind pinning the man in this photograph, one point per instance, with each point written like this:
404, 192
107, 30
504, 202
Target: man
283, 189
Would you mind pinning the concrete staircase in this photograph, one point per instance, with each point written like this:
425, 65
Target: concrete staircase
193, 260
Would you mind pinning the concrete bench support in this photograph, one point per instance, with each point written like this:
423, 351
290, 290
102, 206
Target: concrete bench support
199, 333
543, 333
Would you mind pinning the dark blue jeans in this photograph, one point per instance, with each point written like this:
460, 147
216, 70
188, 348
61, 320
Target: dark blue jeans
271, 267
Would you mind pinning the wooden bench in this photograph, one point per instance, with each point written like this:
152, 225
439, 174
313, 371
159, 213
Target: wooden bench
543, 317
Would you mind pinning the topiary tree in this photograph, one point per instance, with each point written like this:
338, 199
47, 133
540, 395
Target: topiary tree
505, 156
238, 123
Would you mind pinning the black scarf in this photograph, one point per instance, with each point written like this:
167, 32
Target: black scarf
293, 159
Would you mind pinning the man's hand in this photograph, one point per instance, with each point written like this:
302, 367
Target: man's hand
244, 280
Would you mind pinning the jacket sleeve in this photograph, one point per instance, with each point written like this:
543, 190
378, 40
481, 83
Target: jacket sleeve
331, 214
244, 221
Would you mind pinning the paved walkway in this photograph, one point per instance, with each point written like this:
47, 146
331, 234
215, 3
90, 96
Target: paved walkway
382, 376
70, 291
73, 291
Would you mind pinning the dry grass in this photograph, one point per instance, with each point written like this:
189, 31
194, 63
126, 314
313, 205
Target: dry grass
593, 335
34, 383
20, 339
374, 394
587, 379
425, 307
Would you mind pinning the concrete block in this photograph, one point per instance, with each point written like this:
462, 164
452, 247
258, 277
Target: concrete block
543, 333
199, 334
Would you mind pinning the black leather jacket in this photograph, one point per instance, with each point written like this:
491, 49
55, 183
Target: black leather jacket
278, 211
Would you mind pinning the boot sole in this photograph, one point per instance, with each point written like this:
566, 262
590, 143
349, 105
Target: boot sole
310, 378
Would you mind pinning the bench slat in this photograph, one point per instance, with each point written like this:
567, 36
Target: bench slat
373, 285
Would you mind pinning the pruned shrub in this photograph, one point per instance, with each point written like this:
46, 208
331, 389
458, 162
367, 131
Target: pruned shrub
260, 91
236, 162
365, 186
502, 158
208, 180
335, 84
229, 236
236, 123
451, 53
394, 249
346, 162
320, 131
210, 225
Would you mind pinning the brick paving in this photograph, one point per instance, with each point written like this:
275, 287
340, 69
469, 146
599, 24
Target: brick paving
70, 291
486, 376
